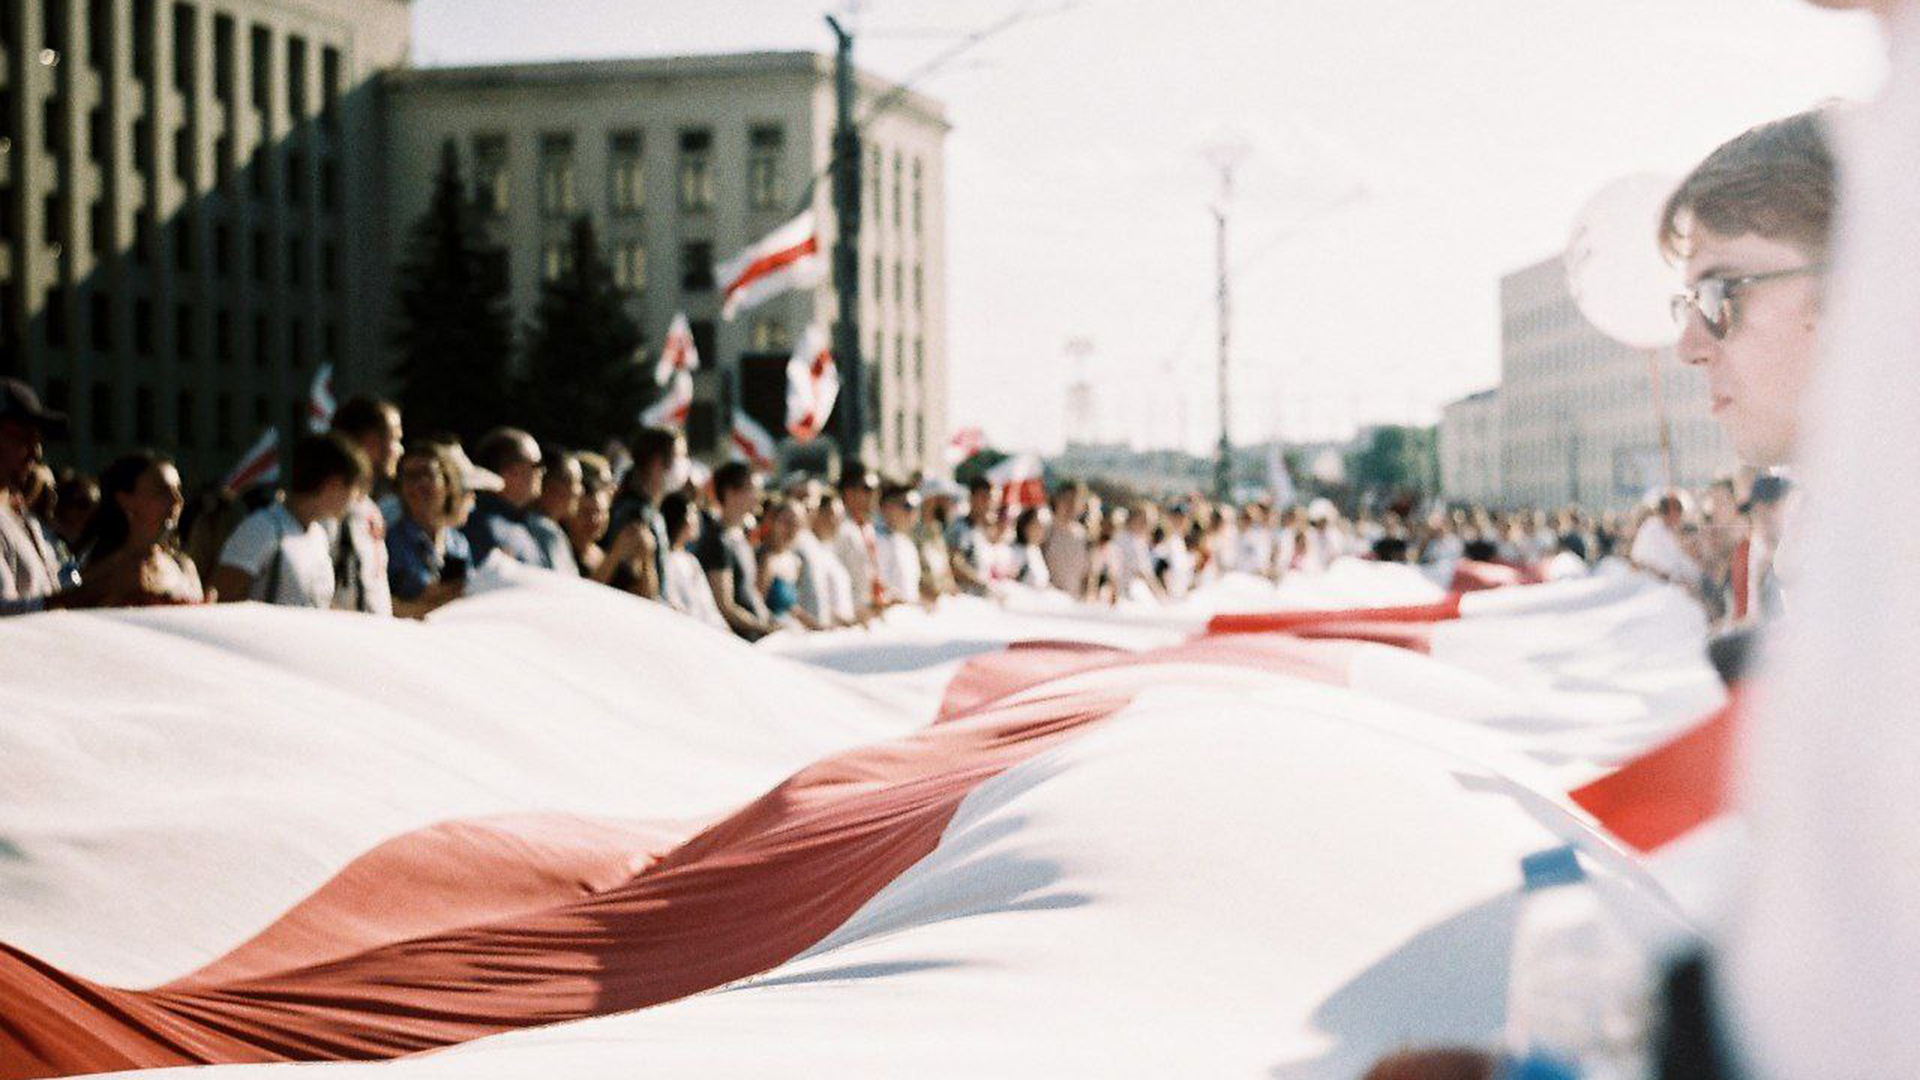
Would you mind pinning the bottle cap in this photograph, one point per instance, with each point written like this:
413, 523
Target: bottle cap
1554, 866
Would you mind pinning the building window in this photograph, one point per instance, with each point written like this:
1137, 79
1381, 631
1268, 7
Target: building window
296, 178
556, 175
262, 169
183, 49
919, 361
329, 185
771, 335
142, 240
556, 258
898, 199
260, 55
296, 344
630, 266
490, 172
223, 420
696, 267
53, 25
296, 261
262, 411
873, 181
223, 58
99, 136
696, 170
183, 332
879, 280
142, 21
99, 232
223, 336
183, 155
183, 244
917, 224
262, 341
223, 161
919, 288
222, 249
899, 284
143, 326
624, 174
143, 425
296, 79
183, 419
330, 89
100, 315
262, 257
330, 266
143, 146
55, 317
101, 402
99, 27
764, 145
53, 124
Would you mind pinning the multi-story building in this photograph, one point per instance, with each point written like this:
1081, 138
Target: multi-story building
1470, 449
680, 162
1577, 418
189, 209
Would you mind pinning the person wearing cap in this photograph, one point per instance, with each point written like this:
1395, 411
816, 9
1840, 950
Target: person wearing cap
898, 556
427, 557
280, 554
858, 544
29, 565
358, 538
499, 518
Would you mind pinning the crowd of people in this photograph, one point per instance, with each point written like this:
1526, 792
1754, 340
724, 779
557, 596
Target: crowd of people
372, 522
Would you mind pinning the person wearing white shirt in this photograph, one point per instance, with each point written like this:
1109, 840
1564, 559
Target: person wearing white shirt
1133, 553
280, 554
1659, 549
899, 556
856, 543
825, 588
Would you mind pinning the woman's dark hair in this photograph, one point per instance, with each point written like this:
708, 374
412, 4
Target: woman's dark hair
675, 510
1029, 516
108, 529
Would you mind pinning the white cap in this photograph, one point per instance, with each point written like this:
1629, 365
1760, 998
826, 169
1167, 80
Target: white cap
473, 476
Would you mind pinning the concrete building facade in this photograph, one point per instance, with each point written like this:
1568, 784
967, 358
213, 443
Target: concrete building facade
1577, 422
1470, 449
190, 210
680, 162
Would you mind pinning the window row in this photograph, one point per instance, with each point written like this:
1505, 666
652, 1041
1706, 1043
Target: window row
104, 425
557, 171
901, 202
221, 342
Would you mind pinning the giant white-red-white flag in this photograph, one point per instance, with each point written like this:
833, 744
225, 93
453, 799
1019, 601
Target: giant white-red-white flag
786, 258
678, 352
259, 465
672, 408
320, 403
813, 384
752, 443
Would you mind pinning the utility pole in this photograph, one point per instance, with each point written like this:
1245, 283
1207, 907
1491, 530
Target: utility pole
850, 426
1225, 156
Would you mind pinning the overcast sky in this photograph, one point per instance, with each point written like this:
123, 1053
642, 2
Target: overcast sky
1079, 189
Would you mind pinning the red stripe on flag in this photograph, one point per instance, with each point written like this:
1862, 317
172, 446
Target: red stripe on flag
767, 264
743, 896
1322, 619
1669, 791
254, 470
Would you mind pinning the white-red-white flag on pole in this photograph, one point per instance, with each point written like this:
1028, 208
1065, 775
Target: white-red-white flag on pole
965, 443
786, 258
320, 403
670, 411
752, 443
1020, 481
813, 384
259, 465
678, 353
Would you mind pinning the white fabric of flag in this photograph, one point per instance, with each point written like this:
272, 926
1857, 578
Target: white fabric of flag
751, 443
813, 385
787, 258
678, 352
671, 410
259, 465
320, 402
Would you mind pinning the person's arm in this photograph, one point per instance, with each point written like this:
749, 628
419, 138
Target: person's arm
430, 598
739, 619
231, 584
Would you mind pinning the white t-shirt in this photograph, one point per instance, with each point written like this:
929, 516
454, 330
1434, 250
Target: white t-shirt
305, 572
851, 546
1179, 560
899, 565
687, 590
1656, 548
1253, 552
367, 532
1132, 561
825, 589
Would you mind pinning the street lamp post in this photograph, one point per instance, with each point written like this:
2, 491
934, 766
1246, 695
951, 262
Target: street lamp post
846, 249
1225, 156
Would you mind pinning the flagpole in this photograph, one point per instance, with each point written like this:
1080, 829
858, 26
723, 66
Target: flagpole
1660, 417
849, 430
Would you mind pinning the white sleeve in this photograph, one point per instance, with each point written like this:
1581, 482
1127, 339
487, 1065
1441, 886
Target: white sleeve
252, 543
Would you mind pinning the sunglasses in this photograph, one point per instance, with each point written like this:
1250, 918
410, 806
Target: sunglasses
1713, 298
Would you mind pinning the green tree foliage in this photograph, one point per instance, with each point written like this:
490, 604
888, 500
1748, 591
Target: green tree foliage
453, 334
1398, 460
583, 382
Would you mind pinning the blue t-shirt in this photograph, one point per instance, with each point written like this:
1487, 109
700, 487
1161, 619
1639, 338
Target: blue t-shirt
497, 523
413, 564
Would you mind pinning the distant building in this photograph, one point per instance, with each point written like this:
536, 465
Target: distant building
190, 214
1470, 449
1576, 414
680, 162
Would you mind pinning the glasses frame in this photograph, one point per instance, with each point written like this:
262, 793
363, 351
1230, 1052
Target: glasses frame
1719, 321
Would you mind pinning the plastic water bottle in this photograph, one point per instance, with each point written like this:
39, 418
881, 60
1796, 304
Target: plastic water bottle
1579, 996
